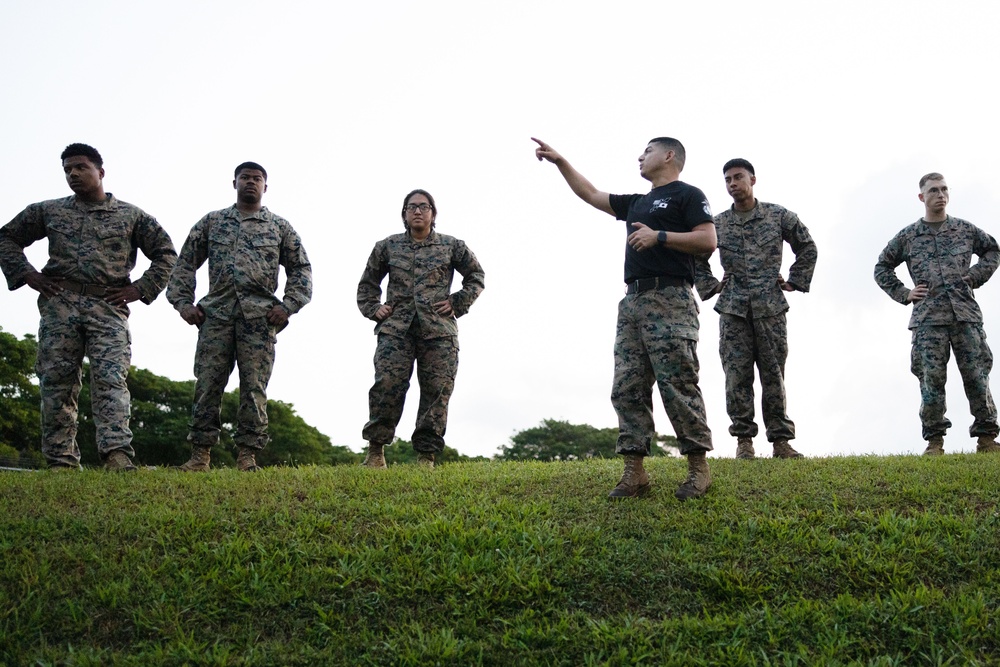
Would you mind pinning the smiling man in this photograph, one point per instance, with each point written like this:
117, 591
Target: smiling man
85, 290
240, 317
752, 306
657, 333
938, 250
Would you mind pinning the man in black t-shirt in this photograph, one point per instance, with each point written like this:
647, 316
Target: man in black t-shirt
657, 333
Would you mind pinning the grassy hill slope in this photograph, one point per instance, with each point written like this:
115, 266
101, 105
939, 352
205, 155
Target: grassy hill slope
821, 561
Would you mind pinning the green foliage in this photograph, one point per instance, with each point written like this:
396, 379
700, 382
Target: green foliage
401, 451
555, 440
20, 423
859, 560
161, 410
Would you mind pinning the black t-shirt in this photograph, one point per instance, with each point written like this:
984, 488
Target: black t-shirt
674, 207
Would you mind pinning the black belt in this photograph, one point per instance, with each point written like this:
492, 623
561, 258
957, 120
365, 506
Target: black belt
645, 284
81, 288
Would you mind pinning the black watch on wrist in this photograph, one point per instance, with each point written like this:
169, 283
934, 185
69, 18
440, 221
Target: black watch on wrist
661, 237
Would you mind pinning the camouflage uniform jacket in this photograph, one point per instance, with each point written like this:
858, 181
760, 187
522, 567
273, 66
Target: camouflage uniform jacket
94, 244
942, 259
751, 260
243, 253
420, 274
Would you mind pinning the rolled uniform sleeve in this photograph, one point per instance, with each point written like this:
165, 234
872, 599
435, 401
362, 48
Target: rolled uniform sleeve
803, 247
298, 271
370, 285
892, 256
194, 252
473, 278
705, 281
155, 244
27, 227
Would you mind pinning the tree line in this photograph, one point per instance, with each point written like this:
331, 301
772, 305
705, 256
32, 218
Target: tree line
161, 410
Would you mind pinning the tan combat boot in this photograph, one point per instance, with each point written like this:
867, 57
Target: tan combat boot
698, 480
783, 450
634, 482
935, 446
201, 456
246, 460
987, 445
744, 449
425, 459
118, 461
375, 458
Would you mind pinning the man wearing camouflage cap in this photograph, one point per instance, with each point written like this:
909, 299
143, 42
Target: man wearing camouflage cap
238, 320
84, 291
938, 250
752, 306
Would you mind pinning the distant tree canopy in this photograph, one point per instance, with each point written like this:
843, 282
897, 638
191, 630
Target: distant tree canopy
401, 451
555, 440
161, 410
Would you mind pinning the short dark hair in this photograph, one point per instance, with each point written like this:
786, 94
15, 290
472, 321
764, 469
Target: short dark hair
430, 200
250, 165
738, 163
677, 147
933, 176
83, 150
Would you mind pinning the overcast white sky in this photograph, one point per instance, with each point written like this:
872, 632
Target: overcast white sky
840, 106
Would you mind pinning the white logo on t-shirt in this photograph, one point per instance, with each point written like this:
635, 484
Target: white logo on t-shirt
660, 203
708, 210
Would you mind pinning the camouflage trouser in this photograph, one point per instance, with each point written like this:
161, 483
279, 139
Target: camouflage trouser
763, 341
73, 325
223, 344
657, 340
437, 365
929, 356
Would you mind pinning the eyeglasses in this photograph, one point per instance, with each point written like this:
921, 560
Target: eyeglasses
413, 208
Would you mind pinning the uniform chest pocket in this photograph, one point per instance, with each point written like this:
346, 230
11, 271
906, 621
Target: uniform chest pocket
400, 264
265, 241
222, 236
111, 230
767, 234
960, 249
63, 227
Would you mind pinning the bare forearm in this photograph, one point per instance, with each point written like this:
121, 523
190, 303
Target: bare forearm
583, 188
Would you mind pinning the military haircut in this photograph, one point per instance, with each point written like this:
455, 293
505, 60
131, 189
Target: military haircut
430, 200
82, 150
738, 163
250, 165
933, 176
677, 147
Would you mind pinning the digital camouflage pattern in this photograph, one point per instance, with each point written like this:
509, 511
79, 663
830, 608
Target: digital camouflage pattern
657, 341
744, 342
73, 325
244, 254
93, 244
750, 252
420, 274
437, 366
949, 318
222, 345
752, 306
932, 346
942, 259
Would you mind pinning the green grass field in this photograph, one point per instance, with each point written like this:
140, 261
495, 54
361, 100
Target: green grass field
855, 560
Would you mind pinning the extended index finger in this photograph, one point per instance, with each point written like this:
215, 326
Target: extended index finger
540, 142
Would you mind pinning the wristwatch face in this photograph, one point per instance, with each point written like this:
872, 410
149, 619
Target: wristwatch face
661, 237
